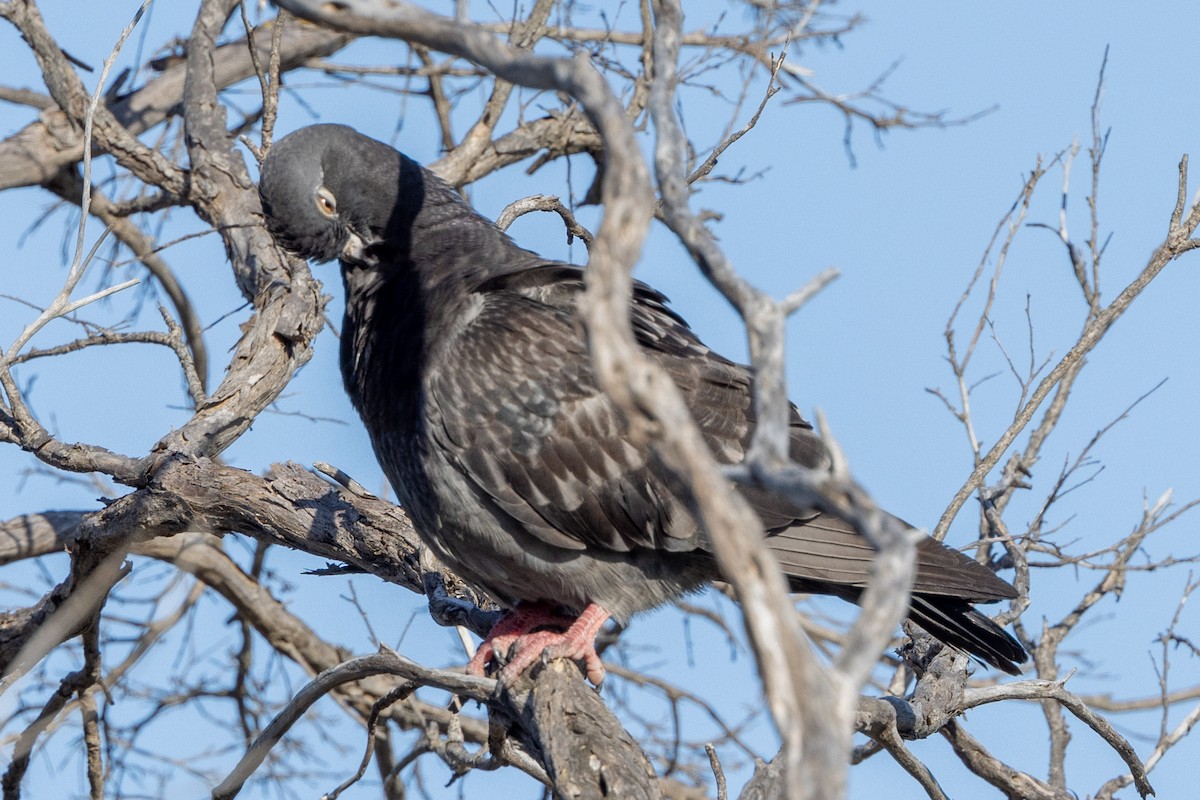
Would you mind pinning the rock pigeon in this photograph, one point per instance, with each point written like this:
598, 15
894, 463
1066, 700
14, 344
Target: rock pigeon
466, 358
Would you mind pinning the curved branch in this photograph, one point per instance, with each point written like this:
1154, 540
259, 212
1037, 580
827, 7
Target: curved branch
542, 202
1056, 691
383, 663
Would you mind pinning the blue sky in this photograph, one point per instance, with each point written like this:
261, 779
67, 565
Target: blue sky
906, 223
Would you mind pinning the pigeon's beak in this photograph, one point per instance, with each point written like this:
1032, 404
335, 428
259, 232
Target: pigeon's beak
359, 249
354, 249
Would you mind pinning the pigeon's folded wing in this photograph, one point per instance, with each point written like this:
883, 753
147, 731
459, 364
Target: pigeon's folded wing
512, 401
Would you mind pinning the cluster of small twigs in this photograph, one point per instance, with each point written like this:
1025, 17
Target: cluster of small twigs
182, 500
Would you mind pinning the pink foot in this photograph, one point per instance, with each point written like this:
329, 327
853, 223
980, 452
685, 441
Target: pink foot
514, 623
512, 636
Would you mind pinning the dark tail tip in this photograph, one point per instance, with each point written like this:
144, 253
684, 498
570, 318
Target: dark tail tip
956, 622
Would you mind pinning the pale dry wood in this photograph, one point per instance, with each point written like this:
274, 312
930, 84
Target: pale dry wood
37, 152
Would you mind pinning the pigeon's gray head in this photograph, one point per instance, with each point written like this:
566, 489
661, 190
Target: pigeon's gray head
329, 192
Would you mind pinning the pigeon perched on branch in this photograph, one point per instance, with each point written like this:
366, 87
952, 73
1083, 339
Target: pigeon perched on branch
466, 357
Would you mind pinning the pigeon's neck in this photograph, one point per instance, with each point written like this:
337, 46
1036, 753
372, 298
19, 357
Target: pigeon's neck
420, 292
382, 345
399, 310
454, 250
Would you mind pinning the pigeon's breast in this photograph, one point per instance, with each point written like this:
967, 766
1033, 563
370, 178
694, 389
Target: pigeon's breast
494, 552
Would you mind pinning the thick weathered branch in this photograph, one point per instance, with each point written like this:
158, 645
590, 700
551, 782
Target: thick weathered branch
38, 152
291, 507
788, 667
587, 753
815, 760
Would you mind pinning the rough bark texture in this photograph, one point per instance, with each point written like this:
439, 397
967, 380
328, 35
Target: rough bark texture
37, 152
587, 753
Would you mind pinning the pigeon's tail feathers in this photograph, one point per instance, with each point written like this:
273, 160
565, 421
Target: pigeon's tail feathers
826, 556
956, 622
827, 550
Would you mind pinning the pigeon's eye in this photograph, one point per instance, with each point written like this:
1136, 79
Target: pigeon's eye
326, 202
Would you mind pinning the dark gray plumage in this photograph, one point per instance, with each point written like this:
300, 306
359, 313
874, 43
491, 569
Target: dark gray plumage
465, 356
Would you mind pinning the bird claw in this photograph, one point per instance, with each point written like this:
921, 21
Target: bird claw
478, 664
513, 641
546, 646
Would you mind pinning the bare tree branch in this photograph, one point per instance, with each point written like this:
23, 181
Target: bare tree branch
1177, 242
